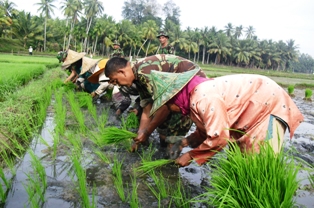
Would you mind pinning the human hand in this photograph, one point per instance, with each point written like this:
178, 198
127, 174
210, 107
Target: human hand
93, 94
176, 148
135, 111
184, 160
118, 112
142, 138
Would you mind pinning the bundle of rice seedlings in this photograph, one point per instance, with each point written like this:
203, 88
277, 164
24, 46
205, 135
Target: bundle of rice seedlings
245, 179
112, 135
132, 121
69, 86
308, 94
291, 90
84, 99
147, 166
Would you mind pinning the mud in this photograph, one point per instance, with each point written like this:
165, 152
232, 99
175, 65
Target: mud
62, 189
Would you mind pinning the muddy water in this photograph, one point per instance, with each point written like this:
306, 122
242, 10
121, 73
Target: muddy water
62, 189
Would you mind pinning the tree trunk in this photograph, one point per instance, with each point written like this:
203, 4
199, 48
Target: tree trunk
45, 34
147, 47
95, 44
141, 47
203, 58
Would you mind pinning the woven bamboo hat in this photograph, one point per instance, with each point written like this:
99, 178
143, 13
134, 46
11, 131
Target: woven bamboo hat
166, 85
71, 58
87, 64
94, 78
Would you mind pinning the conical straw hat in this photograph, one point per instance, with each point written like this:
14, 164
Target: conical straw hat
94, 78
87, 64
166, 85
71, 58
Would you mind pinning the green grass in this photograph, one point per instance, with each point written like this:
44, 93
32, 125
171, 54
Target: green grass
253, 180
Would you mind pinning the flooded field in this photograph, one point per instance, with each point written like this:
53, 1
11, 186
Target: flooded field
169, 186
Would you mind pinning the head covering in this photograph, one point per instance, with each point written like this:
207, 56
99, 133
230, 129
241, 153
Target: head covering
61, 56
94, 78
182, 98
116, 43
166, 85
72, 57
87, 64
162, 33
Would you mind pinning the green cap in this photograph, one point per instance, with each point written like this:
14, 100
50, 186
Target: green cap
162, 33
116, 43
167, 85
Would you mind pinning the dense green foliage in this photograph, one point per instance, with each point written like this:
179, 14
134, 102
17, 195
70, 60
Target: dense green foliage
84, 29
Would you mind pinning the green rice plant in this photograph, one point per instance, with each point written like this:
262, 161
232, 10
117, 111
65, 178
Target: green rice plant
148, 166
148, 153
290, 89
37, 182
5, 146
161, 191
308, 93
134, 202
76, 110
9, 162
132, 121
311, 179
75, 143
249, 177
117, 177
7, 184
60, 112
101, 155
81, 179
113, 135
56, 142
180, 195
69, 86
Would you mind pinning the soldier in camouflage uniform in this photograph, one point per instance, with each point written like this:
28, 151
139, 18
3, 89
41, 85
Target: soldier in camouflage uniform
118, 52
128, 75
165, 48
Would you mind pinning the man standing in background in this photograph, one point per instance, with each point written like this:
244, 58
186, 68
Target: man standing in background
118, 52
164, 48
30, 50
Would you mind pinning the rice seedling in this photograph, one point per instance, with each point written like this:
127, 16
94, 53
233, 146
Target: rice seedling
76, 110
9, 162
37, 182
290, 90
60, 114
148, 166
161, 190
180, 195
113, 135
117, 177
248, 177
132, 121
308, 94
4, 190
134, 202
101, 155
81, 178
148, 153
69, 86
75, 143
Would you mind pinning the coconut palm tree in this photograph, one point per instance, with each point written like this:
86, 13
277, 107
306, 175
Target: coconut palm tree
250, 32
46, 8
149, 32
220, 46
238, 32
71, 9
92, 9
229, 29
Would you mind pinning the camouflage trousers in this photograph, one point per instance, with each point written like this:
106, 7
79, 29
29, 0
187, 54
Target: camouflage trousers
175, 125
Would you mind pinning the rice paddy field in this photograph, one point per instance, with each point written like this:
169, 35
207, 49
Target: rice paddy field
58, 149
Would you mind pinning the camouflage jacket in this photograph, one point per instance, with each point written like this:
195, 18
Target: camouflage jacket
162, 62
166, 50
118, 52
